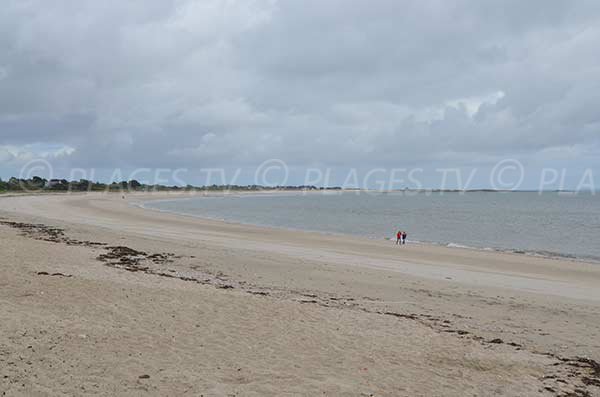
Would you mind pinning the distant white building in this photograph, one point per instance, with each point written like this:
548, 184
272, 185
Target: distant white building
53, 182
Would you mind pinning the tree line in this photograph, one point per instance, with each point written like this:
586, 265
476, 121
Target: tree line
38, 184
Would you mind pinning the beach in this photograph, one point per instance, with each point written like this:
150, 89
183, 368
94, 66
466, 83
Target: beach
100, 296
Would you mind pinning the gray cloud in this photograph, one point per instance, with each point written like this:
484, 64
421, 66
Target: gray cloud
211, 83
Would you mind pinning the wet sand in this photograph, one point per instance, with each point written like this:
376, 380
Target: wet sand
100, 296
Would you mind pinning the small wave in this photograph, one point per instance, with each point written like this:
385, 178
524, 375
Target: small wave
535, 253
455, 245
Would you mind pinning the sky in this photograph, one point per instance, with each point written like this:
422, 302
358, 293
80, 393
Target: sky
339, 85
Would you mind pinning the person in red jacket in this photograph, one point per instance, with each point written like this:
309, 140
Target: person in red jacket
398, 237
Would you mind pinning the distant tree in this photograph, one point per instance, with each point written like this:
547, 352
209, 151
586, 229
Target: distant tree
38, 182
133, 184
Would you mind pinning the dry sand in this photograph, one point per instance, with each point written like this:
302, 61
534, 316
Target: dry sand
101, 297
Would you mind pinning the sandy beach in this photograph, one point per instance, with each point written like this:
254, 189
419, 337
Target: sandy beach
100, 296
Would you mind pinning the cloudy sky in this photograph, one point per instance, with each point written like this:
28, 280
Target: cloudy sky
316, 83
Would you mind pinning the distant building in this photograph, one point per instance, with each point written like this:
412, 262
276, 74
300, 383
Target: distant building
53, 182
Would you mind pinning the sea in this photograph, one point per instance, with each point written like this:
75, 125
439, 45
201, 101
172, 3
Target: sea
550, 224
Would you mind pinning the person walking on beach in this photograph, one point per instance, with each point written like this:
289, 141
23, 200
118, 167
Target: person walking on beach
404, 234
398, 237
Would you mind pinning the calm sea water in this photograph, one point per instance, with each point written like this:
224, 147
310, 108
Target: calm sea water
550, 224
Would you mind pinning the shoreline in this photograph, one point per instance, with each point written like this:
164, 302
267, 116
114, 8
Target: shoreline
220, 308
428, 258
536, 253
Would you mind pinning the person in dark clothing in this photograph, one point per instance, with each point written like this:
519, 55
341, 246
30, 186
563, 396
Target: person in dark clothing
404, 237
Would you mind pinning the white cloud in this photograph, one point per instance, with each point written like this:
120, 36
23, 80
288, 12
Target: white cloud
472, 104
23, 153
